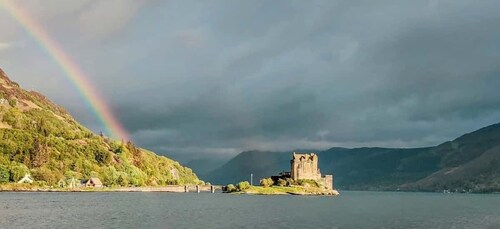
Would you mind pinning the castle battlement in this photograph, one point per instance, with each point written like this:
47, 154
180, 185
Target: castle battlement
304, 166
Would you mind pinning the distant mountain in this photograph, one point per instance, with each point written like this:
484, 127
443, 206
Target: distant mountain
203, 166
470, 162
260, 164
40, 138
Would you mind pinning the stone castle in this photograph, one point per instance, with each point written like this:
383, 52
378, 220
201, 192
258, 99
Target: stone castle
305, 166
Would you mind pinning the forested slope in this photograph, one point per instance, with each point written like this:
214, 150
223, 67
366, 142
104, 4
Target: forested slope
40, 138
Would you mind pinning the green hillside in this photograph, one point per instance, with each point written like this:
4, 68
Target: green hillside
40, 138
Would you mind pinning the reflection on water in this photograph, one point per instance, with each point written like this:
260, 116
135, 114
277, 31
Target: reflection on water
205, 210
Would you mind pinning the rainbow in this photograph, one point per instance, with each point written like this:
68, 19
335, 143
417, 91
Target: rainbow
75, 75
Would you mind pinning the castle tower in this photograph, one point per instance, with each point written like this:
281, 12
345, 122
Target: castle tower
305, 166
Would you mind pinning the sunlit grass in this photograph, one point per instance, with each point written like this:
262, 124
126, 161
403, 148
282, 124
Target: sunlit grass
293, 190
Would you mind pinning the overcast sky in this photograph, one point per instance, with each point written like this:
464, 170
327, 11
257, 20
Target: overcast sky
213, 78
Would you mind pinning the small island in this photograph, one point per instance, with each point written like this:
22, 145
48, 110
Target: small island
304, 178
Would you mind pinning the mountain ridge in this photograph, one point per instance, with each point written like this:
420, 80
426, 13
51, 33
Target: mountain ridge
467, 163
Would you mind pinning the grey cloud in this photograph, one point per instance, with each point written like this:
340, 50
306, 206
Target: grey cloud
389, 75
198, 78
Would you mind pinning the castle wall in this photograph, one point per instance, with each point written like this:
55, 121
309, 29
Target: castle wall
327, 181
305, 166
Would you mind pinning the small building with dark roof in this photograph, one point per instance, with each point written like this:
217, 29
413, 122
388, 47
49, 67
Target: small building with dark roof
92, 182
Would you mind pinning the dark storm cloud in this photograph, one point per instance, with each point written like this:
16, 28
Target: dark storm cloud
198, 78
306, 74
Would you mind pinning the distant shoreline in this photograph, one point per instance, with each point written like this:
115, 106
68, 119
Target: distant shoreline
253, 190
170, 188
161, 189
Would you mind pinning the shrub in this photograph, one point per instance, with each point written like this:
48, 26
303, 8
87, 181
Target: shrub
4, 174
110, 176
267, 182
72, 174
308, 182
12, 102
18, 171
123, 179
94, 174
282, 182
103, 157
44, 174
244, 185
231, 188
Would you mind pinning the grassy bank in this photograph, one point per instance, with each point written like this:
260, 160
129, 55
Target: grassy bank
293, 190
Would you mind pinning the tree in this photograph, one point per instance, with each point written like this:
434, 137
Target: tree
4, 174
45, 174
267, 182
244, 185
71, 174
110, 176
18, 171
119, 149
103, 157
122, 179
282, 182
137, 156
13, 102
231, 188
41, 153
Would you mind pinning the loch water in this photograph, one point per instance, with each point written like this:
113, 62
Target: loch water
206, 210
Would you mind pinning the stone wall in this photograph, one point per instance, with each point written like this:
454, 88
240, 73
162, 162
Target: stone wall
305, 166
327, 181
